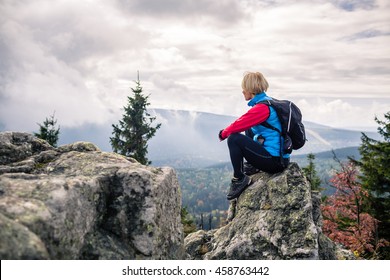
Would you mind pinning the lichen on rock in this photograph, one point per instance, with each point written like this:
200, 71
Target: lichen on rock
276, 218
77, 202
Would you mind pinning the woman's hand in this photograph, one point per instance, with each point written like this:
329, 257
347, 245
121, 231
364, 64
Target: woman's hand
220, 135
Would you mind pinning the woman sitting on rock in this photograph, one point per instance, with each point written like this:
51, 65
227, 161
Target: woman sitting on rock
260, 146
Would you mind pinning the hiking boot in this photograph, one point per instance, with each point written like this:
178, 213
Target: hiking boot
249, 169
237, 186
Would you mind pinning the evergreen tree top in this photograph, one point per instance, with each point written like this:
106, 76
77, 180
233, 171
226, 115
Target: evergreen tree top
130, 136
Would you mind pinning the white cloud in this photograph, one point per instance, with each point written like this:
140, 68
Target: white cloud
343, 113
80, 58
222, 12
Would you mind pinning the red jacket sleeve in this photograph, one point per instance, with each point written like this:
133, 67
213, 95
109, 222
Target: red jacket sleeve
255, 116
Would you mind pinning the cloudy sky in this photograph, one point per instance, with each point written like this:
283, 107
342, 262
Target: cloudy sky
80, 58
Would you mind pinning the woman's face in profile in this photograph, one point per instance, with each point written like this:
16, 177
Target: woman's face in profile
247, 95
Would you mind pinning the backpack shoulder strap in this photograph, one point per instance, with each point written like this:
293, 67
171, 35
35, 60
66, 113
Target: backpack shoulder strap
266, 124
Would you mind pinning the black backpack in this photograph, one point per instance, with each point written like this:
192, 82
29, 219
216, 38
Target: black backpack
290, 118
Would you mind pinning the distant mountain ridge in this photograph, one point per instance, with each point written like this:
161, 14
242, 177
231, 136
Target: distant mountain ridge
190, 139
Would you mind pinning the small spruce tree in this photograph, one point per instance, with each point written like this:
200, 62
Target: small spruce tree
131, 135
311, 173
48, 131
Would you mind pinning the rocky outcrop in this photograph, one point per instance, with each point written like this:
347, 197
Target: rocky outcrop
77, 202
277, 217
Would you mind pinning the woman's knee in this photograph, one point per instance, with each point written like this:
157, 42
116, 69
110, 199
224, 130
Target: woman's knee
232, 139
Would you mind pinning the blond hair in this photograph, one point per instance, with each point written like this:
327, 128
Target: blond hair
254, 82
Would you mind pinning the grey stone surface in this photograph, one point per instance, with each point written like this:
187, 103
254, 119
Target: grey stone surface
77, 202
276, 218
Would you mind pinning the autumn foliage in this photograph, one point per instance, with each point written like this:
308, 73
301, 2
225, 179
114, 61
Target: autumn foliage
345, 220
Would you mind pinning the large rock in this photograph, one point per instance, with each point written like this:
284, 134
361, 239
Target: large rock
277, 217
77, 202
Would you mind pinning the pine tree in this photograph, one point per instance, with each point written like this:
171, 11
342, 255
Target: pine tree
48, 131
131, 135
201, 223
375, 167
311, 173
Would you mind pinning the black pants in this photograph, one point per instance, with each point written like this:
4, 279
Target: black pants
243, 146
